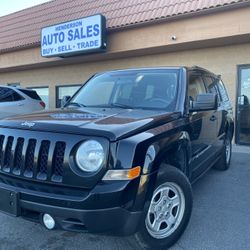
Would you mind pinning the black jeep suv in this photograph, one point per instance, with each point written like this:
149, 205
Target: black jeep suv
120, 155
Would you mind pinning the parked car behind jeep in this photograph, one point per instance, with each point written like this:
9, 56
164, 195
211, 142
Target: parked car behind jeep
120, 156
18, 101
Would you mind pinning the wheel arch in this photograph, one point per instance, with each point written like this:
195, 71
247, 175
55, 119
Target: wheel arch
157, 169
177, 154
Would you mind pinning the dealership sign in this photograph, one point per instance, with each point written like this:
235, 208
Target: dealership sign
75, 37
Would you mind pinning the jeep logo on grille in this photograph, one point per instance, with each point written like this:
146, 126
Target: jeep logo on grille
28, 124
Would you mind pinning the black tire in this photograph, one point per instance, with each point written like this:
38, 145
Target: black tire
143, 237
225, 160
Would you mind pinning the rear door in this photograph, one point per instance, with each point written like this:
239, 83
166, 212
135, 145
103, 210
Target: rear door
218, 115
11, 103
203, 128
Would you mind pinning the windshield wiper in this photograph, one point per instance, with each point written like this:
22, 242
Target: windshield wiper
74, 104
120, 105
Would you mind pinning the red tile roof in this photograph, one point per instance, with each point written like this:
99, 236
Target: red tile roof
22, 29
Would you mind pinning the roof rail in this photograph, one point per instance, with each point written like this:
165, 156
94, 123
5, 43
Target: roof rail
206, 70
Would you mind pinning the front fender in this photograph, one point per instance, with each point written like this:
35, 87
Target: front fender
155, 165
165, 150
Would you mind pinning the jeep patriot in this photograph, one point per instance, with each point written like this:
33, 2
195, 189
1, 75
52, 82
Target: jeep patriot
120, 155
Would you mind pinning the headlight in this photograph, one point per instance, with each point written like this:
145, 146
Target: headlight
90, 156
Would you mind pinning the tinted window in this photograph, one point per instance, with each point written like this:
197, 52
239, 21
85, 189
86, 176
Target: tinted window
9, 95
30, 93
16, 97
149, 89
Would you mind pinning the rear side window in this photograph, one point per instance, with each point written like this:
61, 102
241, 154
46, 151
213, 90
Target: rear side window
16, 97
212, 86
31, 93
223, 91
9, 95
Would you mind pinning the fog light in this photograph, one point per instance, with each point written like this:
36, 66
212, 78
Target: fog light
48, 221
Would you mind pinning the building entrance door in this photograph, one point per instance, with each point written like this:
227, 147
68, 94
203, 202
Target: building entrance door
243, 106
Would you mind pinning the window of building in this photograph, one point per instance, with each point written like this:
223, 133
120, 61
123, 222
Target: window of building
43, 92
62, 91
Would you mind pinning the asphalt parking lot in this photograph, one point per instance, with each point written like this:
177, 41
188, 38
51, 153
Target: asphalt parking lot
220, 219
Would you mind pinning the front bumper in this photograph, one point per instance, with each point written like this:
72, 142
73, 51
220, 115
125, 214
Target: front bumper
110, 220
108, 208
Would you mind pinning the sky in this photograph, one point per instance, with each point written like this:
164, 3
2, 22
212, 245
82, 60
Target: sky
10, 6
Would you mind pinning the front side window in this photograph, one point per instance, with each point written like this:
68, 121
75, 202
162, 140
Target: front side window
195, 87
146, 89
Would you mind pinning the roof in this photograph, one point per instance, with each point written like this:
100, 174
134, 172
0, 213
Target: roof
22, 29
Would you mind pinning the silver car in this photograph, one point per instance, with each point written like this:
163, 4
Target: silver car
16, 101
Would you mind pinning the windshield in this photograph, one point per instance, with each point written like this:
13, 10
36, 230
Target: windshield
145, 89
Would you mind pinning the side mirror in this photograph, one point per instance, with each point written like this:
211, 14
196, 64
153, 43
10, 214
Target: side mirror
203, 102
64, 100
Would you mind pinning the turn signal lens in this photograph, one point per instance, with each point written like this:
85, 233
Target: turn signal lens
134, 172
122, 174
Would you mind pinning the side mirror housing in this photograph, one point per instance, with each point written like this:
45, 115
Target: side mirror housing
203, 102
64, 100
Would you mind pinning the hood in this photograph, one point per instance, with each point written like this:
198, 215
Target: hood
112, 123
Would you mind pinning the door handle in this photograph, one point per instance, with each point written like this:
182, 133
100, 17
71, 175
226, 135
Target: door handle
213, 118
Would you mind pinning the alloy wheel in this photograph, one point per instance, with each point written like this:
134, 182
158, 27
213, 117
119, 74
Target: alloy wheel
166, 210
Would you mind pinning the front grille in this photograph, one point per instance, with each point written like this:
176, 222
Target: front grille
31, 158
